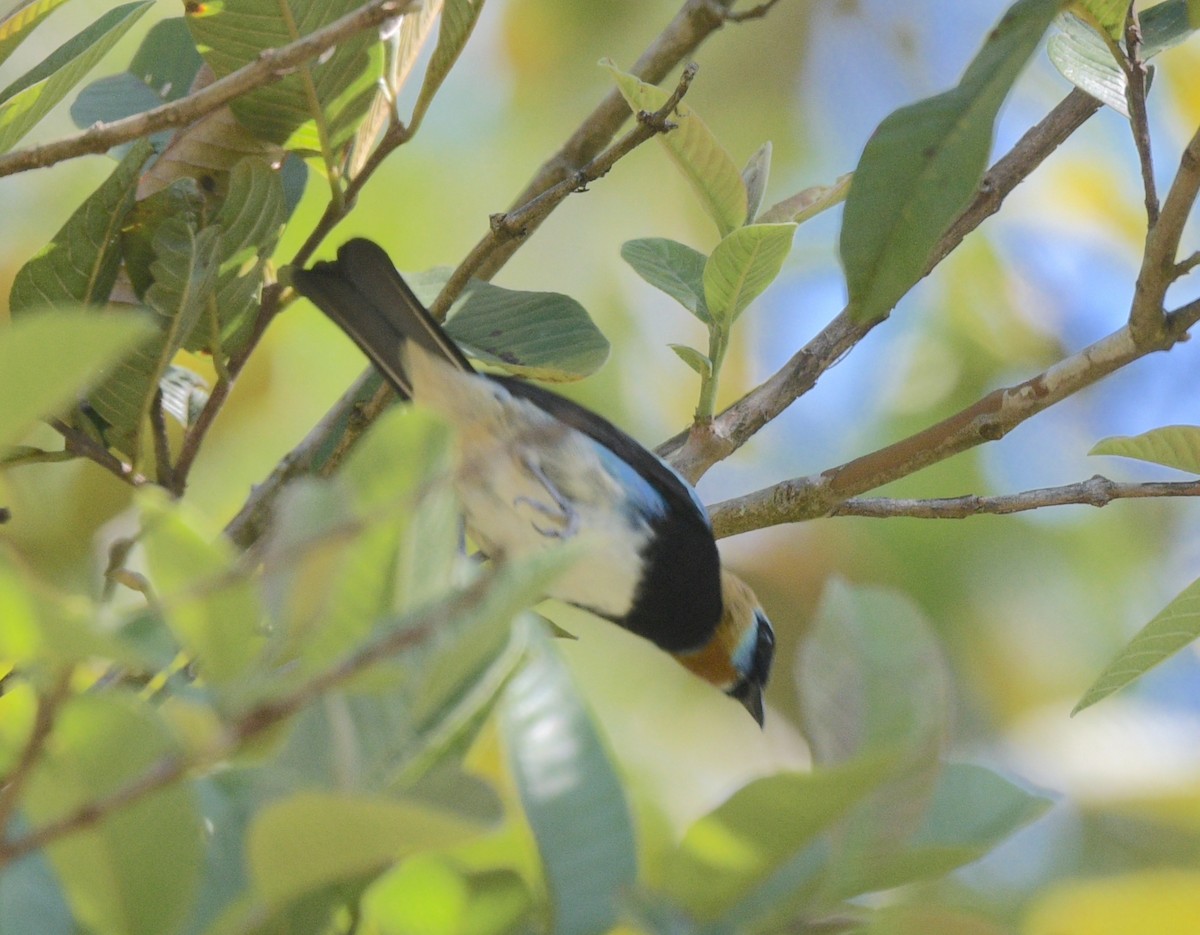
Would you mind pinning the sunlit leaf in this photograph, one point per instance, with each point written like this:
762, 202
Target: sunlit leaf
1108, 14
694, 149
742, 265
28, 99
231, 34
1173, 628
135, 870
673, 267
311, 839
923, 163
47, 359
19, 22
80, 264
432, 895
1086, 60
571, 794
1174, 446
809, 202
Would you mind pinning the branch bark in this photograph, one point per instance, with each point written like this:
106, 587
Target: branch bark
270, 66
1097, 491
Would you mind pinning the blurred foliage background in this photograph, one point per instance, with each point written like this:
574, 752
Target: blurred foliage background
1027, 609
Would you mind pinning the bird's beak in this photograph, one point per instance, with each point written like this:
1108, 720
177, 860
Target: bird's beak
750, 695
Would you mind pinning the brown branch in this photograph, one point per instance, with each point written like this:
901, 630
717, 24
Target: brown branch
1097, 491
43, 722
757, 12
270, 66
1159, 269
1135, 95
407, 633
989, 419
695, 21
694, 451
86, 447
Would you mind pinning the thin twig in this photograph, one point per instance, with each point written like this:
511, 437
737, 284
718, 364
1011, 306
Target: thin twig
1097, 491
695, 450
695, 22
1186, 265
757, 12
407, 633
85, 447
988, 419
270, 66
1135, 95
43, 722
1159, 269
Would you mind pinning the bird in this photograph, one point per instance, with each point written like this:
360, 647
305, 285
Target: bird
534, 470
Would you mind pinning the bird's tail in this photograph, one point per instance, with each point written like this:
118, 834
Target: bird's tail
364, 296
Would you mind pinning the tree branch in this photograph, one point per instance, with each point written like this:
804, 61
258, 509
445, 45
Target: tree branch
43, 722
407, 633
1097, 491
695, 21
989, 419
695, 450
1135, 95
270, 66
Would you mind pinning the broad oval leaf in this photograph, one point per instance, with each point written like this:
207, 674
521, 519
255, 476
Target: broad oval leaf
704, 162
742, 265
571, 794
1085, 59
1174, 446
28, 99
134, 871
540, 335
47, 359
735, 847
1173, 628
673, 267
80, 264
210, 609
312, 839
232, 34
923, 163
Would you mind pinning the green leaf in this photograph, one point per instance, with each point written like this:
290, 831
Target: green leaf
135, 870
433, 895
167, 60
210, 608
47, 359
736, 847
540, 335
184, 274
742, 265
673, 267
230, 35
1193, 13
693, 358
704, 162
924, 162
252, 214
28, 99
80, 264
1109, 14
312, 839
16, 26
571, 794
115, 97
458, 20
1174, 446
1173, 628
1087, 61
809, 202
754, 177
975, 808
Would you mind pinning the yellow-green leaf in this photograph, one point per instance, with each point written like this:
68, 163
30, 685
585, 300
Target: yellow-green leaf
742, 265
808, 202
1174, 446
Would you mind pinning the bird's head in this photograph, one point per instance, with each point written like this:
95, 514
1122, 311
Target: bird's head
738, 657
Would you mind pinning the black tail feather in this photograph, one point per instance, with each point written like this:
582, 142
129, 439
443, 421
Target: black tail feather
362, 294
